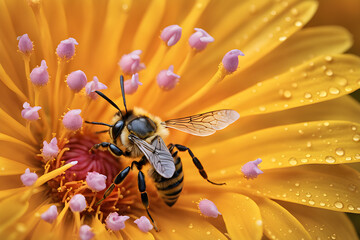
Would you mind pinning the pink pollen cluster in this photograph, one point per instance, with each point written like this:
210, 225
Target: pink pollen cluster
200, 39
144, 224
50, 215
171, 35
30, 113
167, 79
66, 48
76, 80
115, 222
39, 76
85, 232
72, 120
251, 169
231, 61
130, 63
77, 203
93, 86
96, 181
50, 150
208, 208
28, 178
25, 44
132, 85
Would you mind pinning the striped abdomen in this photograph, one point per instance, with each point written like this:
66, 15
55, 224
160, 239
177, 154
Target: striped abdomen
169, 189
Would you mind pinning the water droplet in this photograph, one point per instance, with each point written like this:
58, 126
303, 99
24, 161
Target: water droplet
294, 11
326, 124
297, 184
340, 152
298, 23
300, 131
334, 90
287, 94
348, 158
125, 7
311, 202
322, 204
292, 161
341, 81
351, 207
191, 225
208, 233
348, 88
294, 85
308, 144
304, 160
353, 128
259, 222
339, 205
328, 58
357, 156
333, 236
307, 95
323, 93
173, 230
262, 108
330, 159
213, 151
356, 137
308, 195
20, 227
282, 38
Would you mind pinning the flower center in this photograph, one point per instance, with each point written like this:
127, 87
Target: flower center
73, 181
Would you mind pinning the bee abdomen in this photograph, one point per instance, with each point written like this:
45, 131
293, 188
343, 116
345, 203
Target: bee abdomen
170, 189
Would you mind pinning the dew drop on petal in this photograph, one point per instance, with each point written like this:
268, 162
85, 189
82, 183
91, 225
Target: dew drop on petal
356, 137
298, 23
330, 159
328, 58
351, 207
292, 161
334, 90
339, 205
329, 72
307, 95
341, 81
340, 152
287, 94
282, 38
311, 202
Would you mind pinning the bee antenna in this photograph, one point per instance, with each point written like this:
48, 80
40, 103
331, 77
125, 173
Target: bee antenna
123, 91
99, 123
109, 100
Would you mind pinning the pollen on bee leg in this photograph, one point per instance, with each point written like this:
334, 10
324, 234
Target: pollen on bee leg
50, 215
251, 169
28, 178
208, 208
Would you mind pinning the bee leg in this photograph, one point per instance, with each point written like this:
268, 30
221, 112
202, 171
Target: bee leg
196, 162
144, 196
118, 179
112, 148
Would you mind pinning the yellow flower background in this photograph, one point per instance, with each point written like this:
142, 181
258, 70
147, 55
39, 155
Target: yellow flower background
290, 89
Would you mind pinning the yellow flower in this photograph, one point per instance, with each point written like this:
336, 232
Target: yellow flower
290, 90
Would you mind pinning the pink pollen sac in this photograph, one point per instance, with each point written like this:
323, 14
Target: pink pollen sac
77, 203
171, 35
115, 222
96, 181
231, 60
50, 150
72, 120
130, 63
144, 224
30, 113
208, 208
167, 79
39, 76
200, 39
28, 178
66, 48
93, 86
25, 44
50, 215
76, 80
85, 232
251, 170
132, 85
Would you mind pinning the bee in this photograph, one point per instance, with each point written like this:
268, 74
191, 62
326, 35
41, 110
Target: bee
138, 134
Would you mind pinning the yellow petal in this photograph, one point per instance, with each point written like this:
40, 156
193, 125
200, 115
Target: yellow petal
11, 167
320, 142
323, 224
241, 215
317, 80
278, 222
131, 231
333, 187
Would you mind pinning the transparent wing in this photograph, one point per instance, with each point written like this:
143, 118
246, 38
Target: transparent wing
204, 124
158, 155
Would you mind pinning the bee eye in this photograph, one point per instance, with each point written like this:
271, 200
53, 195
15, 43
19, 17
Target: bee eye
142, 127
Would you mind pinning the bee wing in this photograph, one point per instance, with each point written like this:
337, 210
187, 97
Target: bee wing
158, 155
204, 124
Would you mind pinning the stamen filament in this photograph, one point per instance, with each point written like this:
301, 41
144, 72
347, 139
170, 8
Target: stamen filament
56, 105
6, 80
62, 214
28, 129
77, 221
46, 177
186, 61
218, 76
26, 59
60, 156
